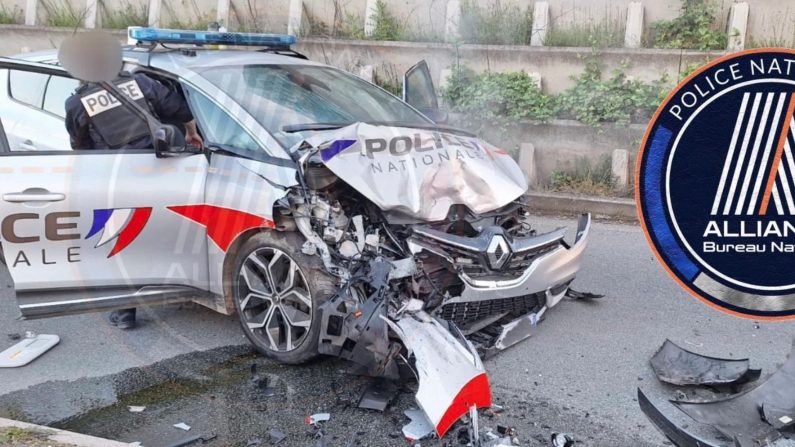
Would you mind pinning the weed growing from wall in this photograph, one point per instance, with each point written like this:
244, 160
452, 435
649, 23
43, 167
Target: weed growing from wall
10, 15
618, 99
585, 177
129, 15
495, 24
695, 28
497, 99
62, 13
605, 34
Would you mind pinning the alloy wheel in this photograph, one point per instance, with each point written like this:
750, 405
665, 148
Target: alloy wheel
274, 299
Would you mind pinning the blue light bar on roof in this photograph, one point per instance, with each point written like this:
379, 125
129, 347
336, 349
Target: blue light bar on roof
187, 37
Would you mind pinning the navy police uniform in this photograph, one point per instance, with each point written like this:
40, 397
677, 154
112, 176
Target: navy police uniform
97, 120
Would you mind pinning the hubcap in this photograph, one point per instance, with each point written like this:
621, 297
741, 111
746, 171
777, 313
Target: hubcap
274, 299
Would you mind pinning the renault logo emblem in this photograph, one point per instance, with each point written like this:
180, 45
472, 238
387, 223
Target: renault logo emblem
498, 252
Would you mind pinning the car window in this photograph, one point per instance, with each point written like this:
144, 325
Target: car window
27, 87
216, 125
279, 96
59, 89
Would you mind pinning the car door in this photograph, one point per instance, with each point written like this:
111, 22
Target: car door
34, 101
420, 93
92, 230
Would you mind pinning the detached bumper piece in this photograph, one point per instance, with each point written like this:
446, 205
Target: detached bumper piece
451, 376
754, 418
678, 366
679, 436
744, 417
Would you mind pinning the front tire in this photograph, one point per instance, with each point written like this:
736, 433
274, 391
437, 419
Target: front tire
277, 290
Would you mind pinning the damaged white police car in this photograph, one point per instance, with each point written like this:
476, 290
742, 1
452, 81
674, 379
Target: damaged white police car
329, 215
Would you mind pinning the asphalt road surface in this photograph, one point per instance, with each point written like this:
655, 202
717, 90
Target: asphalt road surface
578, 374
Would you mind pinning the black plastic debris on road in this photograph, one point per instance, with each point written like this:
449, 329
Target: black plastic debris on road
679, 436
677, 366
277, 436
378, 394
741, 417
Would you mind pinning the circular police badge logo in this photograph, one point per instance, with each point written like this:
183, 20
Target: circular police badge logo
716, 184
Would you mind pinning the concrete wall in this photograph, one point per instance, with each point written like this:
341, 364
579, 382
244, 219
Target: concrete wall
560, 144
555, 65
390, 59
769, 19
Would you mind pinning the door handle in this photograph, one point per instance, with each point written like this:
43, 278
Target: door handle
27, 145
33, 196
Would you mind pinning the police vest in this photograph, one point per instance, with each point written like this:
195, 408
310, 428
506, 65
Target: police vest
114, 122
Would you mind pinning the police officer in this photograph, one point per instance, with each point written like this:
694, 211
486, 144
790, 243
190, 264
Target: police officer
97, 120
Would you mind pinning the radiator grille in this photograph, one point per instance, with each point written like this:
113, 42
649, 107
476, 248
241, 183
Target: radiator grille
470, 312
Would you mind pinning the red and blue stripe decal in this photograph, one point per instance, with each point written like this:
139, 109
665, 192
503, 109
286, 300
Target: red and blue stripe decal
120, 224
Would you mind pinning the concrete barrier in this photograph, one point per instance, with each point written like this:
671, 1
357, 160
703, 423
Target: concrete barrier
554, 65
571, 204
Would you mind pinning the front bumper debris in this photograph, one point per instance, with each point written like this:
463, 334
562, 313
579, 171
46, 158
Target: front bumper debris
752, 418
678, 435
678, 366
744, 417
451, 376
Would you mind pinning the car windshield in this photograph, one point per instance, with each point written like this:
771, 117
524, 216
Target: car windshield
291, 101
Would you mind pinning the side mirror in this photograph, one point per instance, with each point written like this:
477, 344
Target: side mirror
169, 142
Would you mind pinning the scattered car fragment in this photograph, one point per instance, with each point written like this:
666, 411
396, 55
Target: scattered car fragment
452, 380
277, 436
678, 435
182, 426
750, 419
135, 409
742, 417
377, 394
27, 350
419, 428
675, 365
562, 440
317, 418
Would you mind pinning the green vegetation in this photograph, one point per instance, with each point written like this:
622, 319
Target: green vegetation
696, 28
497, 99
10, 15
385, 25
26, 438
62, 13
387, 78
593, 100
585, 178
605, 34
129, 15
495, 24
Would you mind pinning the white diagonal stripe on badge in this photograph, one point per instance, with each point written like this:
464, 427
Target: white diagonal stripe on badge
116, 223
766, 150
737, 128
749, 172
738, 169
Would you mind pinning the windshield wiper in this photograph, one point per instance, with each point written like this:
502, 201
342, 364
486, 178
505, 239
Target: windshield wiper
295, 128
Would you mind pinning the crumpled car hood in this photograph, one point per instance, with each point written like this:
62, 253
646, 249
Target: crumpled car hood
421, 173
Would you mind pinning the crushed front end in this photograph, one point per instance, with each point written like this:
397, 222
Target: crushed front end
437, 257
